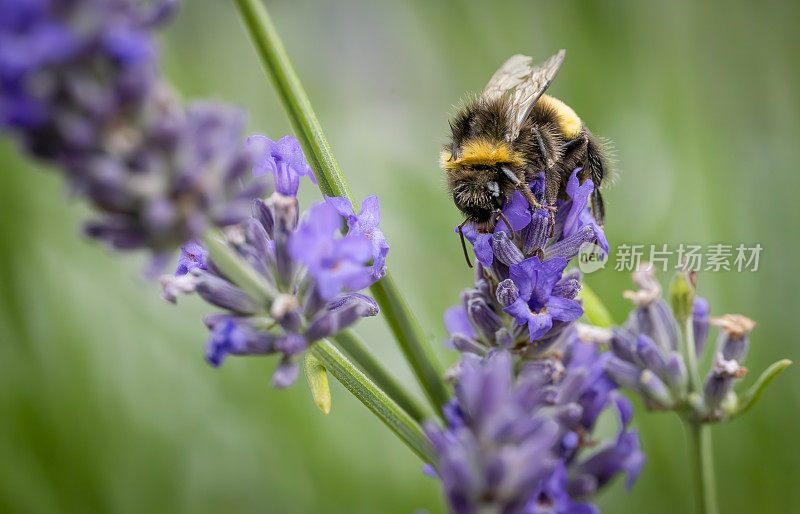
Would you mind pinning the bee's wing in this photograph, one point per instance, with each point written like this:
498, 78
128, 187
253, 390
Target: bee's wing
524, 84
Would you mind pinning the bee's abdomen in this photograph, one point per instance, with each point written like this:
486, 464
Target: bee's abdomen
549, 108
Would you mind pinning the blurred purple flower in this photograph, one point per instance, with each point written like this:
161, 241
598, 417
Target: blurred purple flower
365, 223
284, 159
193, 256
335, 262
80, 88
311, 276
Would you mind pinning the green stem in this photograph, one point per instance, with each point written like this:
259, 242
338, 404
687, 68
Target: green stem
702, 463
690, 355
287, 84
699, 433
404, 325
413, 341
374, 399
355, 348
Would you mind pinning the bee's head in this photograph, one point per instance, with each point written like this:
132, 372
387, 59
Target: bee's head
476, 180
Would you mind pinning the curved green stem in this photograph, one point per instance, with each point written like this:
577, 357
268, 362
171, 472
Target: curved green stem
751, 396
374, 399
404, 325
354, 347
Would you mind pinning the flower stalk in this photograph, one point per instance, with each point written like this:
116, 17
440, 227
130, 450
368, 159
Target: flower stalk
355, 381
404, 325
702, 463
699, 433
354, 347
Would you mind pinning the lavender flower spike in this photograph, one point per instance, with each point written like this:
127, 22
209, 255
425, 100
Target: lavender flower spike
311, 276
80, 89
518, 441
527, 296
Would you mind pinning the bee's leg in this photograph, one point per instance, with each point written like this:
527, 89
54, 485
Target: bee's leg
598, 168
508, 223
463, 243
523, 188
547, 158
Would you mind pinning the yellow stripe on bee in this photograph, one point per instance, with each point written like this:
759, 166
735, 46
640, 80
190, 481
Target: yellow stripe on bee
568, 121
482, 151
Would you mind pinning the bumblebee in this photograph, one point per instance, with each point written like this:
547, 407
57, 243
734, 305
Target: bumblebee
509, 134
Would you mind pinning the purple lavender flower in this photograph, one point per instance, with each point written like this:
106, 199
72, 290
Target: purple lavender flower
521, 442
284, 159
732, 346
497, 448
335, 263
646, 358
523, 298
193, 256
365, 223
310, 277
536, 305
80, 89
579, 214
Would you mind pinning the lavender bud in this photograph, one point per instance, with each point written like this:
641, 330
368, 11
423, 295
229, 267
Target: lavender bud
682, 295
623, 344
623, 373
285, 374
222, 293
284, 310
368, 306
535, 236
568, 287
285, 210
291, 344
174, 286
330, 322
507, 292
569, 415
483, 317
569, 247
505, 250
466, 344
720, 379
649, 355
676, 375
655, 390
504, 339
700, 324
656, 321
262, 213
734, 339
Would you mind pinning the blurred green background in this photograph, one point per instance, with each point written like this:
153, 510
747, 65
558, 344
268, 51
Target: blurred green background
106, 404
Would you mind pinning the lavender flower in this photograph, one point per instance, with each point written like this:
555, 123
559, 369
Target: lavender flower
523, 298
521, 442
308, 277
365, 223
80, 89
647, 360
284, 159
536, 305
731, 351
